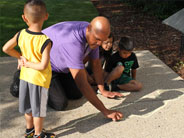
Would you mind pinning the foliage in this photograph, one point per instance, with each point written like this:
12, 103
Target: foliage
159, 8
179, 65
59, 10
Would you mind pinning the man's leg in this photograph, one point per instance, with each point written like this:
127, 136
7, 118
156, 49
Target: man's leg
133, 85
57, 95
69, 85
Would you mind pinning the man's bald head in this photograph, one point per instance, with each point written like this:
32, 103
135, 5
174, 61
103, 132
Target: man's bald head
97, 31
101, 25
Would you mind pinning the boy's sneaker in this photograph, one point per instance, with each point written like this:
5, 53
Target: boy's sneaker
45, 135
29, 134
115, 87
111, 87
108, 87
98, 91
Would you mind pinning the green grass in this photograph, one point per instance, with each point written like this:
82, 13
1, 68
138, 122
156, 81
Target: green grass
59, 10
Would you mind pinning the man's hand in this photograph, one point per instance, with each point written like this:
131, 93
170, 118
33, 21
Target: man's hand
109, 94
114, 115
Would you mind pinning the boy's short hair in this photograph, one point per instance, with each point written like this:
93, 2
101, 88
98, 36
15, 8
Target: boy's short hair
35, 9
126, 43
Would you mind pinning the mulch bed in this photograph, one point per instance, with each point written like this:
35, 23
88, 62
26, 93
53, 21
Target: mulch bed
147, 31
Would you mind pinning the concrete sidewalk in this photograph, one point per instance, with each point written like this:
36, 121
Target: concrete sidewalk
155, 112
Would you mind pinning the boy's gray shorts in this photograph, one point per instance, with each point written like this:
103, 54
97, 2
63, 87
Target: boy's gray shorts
32, 99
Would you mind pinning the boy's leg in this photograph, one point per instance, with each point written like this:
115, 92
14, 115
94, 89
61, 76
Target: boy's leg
39, 132
114, 74
38, 123
38, 98
29, 121
132, 85
29, 126
25, 108
105, 75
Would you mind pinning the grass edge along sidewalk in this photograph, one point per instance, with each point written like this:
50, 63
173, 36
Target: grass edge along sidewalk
65, 10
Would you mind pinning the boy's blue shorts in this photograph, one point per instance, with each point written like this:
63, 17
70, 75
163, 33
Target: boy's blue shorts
123, 79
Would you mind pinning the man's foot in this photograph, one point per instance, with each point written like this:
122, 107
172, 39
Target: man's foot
29, 133
45, 135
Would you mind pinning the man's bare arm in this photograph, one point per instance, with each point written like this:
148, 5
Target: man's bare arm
80, 78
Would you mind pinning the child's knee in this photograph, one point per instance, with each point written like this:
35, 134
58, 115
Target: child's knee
119, 69
139, 86
28, 114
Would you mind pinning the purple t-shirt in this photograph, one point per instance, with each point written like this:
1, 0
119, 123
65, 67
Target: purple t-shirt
69, 45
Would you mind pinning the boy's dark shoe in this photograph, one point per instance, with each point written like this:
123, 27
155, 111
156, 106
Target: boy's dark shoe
111, 87
115, 87
29, 133
108, 87
45, 135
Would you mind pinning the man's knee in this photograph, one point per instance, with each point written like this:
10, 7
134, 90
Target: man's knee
56, 100
58, 105
57, 97
74, 95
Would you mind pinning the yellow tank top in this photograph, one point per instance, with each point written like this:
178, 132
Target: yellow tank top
32, 44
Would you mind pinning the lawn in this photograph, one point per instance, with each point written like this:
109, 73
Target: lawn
59, 10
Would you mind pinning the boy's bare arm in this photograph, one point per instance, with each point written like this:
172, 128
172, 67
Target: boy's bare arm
97, 71
44, 61
133, 73
8, 48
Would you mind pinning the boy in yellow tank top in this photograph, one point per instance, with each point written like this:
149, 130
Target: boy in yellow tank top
34, 61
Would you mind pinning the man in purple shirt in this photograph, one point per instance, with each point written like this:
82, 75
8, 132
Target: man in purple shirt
72, 42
